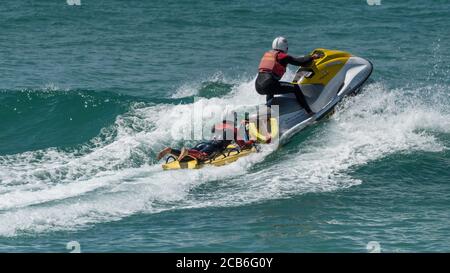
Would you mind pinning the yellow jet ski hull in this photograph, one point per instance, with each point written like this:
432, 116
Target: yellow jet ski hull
324, 83
228, 156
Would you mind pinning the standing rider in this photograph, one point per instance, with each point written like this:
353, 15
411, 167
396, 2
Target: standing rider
273, 66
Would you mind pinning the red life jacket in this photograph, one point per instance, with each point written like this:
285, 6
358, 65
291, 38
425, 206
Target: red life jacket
269, 63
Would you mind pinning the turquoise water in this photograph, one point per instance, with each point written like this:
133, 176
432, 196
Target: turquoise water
89, 94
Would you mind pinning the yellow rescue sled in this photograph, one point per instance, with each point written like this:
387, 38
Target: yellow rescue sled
229, 155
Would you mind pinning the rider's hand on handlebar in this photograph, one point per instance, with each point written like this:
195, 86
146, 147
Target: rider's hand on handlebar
316, 56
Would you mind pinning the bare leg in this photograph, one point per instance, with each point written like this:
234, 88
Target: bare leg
163, 153
184, 152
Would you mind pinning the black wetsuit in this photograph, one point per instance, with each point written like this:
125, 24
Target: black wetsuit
269, 84
212, 146
208, 147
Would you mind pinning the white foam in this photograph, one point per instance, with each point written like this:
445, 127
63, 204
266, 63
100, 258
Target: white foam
366, 128
109, 178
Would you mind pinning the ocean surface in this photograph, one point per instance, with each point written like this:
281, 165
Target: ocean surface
89, 94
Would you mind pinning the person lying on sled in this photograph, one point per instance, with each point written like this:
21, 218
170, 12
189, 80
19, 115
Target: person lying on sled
207, 149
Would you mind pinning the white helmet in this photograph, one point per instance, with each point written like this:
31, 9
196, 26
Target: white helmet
280, 43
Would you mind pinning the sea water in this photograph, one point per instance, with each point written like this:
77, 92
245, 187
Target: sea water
91, 91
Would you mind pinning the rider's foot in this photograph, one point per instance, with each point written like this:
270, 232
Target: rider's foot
184, 152
163, 153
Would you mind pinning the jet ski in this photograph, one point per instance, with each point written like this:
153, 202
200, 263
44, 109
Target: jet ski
324, 83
